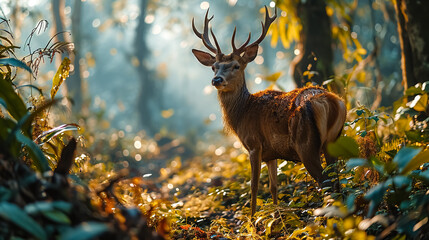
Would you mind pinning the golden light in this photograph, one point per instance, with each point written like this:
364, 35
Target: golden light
138, 144
204, 5
259, 60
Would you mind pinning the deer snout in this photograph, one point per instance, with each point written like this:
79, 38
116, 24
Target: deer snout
217, 81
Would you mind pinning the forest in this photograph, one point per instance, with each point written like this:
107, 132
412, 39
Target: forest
111, 127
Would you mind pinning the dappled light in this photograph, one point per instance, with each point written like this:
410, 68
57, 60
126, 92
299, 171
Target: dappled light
148, 119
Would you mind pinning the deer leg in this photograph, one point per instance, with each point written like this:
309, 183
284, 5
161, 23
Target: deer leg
329, 159
272, 173
255, 163
311, 161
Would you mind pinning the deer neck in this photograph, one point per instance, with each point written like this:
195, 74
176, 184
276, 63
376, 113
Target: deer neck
234, 106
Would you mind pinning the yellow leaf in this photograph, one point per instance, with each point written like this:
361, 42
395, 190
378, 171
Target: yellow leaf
273, 77
271, 87
358, 57
295, 31
259, 202
329, 11
361, 51
268, 228
418, 160
419, 103
162, 70
343, 41
60, 76
349, 223
335, 30
283, 32
357, 43
309, 74
167, 113
242, 158
90, 61
361, 76
274, 35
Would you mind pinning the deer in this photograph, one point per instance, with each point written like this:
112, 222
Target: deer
295, 126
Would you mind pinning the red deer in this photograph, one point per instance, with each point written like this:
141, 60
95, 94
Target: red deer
271, 125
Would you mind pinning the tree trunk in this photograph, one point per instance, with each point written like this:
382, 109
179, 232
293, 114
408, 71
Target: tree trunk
74, 82
315, 46
149, 98
57, 7
412, 18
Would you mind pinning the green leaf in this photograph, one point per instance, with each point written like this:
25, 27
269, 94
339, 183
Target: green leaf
416, 161
378, 165
360, 112
16, 215
375, 118
85, 231
37, 207
36, 153
13, 103
14, 62
3, 102
422, 176
414, 136
401, 181
404, 156
350, 202
345, 147
357, 162
413, 91
375, 196
5, 194
54, 211
57, 216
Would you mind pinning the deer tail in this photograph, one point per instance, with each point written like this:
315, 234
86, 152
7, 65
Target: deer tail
329, 114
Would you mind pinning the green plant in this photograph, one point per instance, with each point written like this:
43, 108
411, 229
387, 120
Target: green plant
399, 198
411, 113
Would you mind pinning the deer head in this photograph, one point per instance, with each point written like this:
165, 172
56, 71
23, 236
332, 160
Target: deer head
229, 69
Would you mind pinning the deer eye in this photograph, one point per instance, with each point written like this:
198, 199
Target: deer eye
237, 67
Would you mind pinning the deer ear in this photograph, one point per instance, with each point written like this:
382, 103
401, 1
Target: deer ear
250, 53
204, 58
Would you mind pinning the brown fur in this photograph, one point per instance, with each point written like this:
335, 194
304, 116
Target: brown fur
271, 125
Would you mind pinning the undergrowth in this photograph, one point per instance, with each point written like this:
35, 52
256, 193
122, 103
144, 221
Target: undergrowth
74, 181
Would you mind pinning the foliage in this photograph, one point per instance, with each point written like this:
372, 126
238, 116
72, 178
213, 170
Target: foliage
384, 188
288, 26
43, 204
121, 186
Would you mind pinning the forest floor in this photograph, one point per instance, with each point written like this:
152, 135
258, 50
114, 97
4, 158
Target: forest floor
210, 196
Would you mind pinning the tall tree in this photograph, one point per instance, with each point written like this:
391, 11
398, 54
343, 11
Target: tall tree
315, 58
74, 82
150, 94
413, 18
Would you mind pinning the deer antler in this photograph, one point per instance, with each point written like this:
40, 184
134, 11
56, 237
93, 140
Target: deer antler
241, 48
205, 35
265, 27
